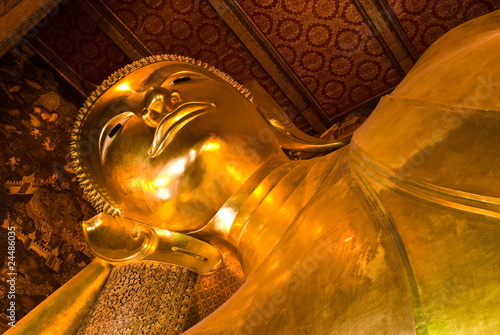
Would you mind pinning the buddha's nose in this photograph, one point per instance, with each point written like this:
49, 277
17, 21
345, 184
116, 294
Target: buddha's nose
157, 103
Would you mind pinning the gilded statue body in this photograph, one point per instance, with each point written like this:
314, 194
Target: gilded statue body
395, 233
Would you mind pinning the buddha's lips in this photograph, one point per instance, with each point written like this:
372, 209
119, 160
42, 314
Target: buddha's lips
173, 122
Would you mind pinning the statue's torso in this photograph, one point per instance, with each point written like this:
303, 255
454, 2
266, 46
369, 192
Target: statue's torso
357, 246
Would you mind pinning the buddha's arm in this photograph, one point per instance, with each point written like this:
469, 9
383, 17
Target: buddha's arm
64, 311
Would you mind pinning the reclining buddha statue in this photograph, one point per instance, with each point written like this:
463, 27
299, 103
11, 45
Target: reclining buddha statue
396, 232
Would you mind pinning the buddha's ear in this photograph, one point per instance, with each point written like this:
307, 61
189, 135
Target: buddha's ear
288, 135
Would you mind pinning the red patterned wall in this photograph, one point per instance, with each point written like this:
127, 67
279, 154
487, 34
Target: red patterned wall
329, 47
192, 28
424, 21
79, 42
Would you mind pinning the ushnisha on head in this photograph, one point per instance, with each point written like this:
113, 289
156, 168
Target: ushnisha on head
167, 140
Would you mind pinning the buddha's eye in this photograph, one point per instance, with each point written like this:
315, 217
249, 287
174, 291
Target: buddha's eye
114, 130
110, 130
180, 80
114, 127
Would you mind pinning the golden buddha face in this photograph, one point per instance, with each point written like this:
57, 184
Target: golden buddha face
169, 143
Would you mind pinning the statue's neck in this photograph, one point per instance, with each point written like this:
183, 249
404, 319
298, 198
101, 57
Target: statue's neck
257, 216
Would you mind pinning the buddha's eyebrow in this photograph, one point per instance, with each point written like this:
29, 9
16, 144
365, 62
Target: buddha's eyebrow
156, 78
118, 106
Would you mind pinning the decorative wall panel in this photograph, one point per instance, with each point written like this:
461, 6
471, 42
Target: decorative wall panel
329, 47
424, 21
39, 194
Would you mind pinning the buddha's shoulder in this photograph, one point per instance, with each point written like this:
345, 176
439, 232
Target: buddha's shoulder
459, 69
441, 126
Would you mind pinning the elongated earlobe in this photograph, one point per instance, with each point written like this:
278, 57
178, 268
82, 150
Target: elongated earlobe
287, 134
296, 140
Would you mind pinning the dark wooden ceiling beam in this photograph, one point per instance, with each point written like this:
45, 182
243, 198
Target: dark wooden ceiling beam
48, 55
364, 109
386, 28
20, 20
234, 16
115, 29
396, 28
